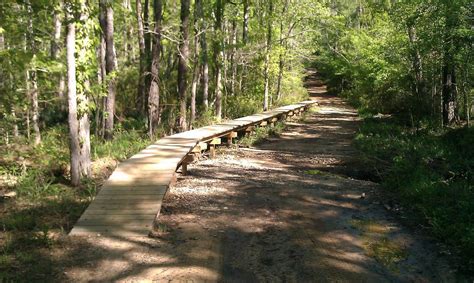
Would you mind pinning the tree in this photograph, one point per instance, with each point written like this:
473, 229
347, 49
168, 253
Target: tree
218, 57
268, 47
204, 55
141, 90
78, 119
154, 91
110, 66
182, 63
32, 78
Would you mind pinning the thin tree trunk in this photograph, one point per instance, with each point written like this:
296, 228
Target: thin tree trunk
449, 93
56, 49
142, 71
154, 91
15, 124
103, 73
148, 43
267, 59
33, 79
245, 24
281, 59
111, 65
196, 67
35, 107
204, 58
55, 43
218, 58
183, 62
80, 160
233, 65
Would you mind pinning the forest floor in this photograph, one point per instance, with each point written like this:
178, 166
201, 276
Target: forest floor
292, 208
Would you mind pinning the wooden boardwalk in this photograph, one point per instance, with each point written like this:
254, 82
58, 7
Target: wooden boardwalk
130, 199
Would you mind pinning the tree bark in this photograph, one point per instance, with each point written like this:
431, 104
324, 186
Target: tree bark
148, 43
77, 120
141, 93
182, 63
33, 79
204, 58
266, 103
233, 65
245, 24
196, 66
154, 91
110, 65
218, 58
15, 124
449, 93
56, 49
281, 59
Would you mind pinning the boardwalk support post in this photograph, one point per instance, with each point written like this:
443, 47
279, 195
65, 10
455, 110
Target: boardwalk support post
186, 161
212, 147
249, 130
272, 121
230, 136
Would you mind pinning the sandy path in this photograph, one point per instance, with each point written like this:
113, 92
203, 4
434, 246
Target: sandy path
284, 211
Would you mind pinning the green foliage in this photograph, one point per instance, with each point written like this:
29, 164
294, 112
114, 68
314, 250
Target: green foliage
371, 59
431, 172
261, 133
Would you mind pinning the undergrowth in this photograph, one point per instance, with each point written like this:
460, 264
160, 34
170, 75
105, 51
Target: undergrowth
45, 206
261, 133
432, 173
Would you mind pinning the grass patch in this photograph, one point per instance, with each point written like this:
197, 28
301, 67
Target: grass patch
378, 245
431, 172
387, 252
46, 206
261, 133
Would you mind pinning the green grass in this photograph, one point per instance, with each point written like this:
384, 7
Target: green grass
46, 206
432, 174
261, 133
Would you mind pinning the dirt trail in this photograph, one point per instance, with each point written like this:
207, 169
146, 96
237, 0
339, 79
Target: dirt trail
284, 211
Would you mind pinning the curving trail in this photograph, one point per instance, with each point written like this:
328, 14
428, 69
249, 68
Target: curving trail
283, 211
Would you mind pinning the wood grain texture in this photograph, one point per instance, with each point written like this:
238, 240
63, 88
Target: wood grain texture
131, 198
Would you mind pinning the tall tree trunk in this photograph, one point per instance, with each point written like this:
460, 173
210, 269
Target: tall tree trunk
148, 43
77, 120
141, 93
35, 107
266, 99
183, 62
154, 91
281, 59
15, 124
245, 24
56, 48
422, 98
196, 66
204, 58
55, 42
110, 65
233, 65
33, 79
449, 92
103, 73
218, 57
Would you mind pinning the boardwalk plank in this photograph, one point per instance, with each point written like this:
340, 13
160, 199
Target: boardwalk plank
130, 199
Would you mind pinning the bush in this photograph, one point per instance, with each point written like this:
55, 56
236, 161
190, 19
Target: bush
431, 172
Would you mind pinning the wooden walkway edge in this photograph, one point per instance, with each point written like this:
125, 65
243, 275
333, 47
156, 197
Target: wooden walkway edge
131, 198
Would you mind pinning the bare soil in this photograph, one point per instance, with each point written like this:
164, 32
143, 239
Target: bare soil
291, 209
